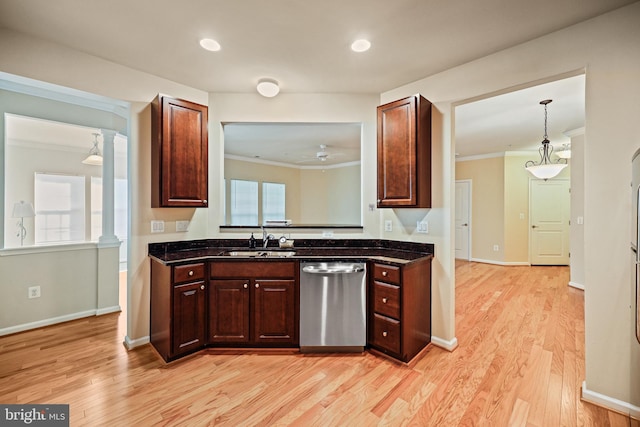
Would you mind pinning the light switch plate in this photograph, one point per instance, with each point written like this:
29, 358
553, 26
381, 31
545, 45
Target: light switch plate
157, 226
182, 225
422, 227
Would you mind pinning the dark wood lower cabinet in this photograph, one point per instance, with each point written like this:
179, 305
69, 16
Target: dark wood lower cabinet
400, 308
274, 315
188, 317
229, 311
178, 308
254, 303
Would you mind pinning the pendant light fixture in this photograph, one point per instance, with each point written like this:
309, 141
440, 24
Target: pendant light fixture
545, 169
94, 158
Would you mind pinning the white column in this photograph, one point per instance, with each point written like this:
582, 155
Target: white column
108, 185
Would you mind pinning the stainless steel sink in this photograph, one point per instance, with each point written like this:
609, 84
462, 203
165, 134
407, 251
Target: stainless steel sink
262, 254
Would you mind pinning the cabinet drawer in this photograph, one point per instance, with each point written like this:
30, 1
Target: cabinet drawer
386, 299
253, 269
188, 273
386, 333
386, 273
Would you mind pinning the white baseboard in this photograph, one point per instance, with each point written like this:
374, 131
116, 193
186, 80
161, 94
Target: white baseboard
107, 310
576, 285
59, 319
46, 322
491, 261
447, 345
130, 344
609, 402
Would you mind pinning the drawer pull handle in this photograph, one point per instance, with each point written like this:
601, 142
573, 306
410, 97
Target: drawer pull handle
246, 285
190, 273
384, 334
385, 274
202, 287
384, 300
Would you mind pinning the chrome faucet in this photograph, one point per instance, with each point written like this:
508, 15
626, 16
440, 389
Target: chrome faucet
266, 237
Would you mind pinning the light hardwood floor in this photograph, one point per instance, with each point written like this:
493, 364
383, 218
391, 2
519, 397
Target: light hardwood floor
520, 362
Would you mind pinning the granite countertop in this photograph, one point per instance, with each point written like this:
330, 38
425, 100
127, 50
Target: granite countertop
389, 251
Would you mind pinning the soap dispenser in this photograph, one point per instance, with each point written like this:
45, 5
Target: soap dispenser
252, 242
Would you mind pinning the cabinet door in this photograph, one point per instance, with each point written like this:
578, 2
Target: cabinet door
180, 154
404, 153
274, 312
229, 311
188, 327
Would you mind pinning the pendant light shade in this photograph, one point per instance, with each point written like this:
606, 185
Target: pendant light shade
545, 169
94, 158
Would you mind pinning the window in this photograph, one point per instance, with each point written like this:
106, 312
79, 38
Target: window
248, 206
60, 208
273, 201
244, 202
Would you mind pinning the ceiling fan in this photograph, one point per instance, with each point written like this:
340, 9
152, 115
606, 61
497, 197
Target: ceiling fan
321, 155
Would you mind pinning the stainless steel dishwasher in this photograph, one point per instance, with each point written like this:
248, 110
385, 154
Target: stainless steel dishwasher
332, 307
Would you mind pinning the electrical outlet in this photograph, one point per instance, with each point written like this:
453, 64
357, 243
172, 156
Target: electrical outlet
496, 248
34, 292
182, 225
388, 225
157, 226
422, 227
327, 234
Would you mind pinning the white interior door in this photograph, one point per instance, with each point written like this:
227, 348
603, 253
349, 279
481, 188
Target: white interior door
463, 219
549, 216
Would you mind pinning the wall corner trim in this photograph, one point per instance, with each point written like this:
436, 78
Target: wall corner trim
449, 345
130, 344
576, 285
609, 402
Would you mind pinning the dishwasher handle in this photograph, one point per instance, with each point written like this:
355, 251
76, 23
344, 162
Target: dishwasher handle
333, 269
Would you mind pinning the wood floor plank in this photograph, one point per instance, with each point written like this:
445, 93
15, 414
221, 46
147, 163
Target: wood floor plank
520, 361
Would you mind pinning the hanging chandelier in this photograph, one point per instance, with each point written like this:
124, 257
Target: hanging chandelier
94, 158
545, 169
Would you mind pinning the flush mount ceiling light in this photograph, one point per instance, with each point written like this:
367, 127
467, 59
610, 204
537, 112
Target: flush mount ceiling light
360, 45
94, 158
268, 88
210, 44
545, 169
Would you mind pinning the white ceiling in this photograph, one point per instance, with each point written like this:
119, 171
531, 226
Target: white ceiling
305, 45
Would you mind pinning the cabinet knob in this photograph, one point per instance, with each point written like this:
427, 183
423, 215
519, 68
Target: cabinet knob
190, 273
257, 285
384, 334
385, 274
202, 287
246, 285
204, 201
384, 300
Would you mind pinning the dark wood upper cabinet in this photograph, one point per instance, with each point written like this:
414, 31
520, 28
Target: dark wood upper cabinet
179, 153
404, 153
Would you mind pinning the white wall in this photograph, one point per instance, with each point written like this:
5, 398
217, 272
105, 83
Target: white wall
607, 48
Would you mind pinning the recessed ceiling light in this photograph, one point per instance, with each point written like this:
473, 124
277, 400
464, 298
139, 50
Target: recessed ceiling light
268, 88
210, 44
360, 45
